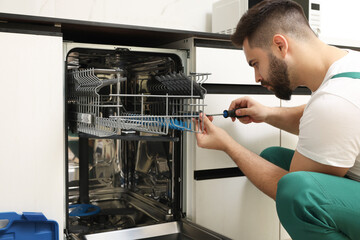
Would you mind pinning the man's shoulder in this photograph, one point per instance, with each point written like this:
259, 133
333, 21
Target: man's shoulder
343, 87
349, 63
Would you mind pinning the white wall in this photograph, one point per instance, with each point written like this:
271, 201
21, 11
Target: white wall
175, 14
340, 21
339, 18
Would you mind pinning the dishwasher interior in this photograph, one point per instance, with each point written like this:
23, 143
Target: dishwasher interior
128, 111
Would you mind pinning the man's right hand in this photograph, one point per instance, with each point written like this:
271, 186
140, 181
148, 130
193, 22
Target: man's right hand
211, 136
255, 111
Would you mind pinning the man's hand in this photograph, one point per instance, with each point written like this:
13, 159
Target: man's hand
212, 137
287, 119
255, 111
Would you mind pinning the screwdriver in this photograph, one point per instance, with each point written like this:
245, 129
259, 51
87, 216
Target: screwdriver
227, 114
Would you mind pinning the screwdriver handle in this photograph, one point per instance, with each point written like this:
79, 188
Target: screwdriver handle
231, 113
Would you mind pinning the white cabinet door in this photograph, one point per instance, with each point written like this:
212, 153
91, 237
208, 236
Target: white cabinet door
255, 136
227, 66
234, 207
32, 172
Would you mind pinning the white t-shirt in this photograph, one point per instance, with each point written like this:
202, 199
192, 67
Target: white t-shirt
330, 126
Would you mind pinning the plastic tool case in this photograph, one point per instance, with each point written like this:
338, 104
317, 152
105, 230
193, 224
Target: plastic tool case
28, 226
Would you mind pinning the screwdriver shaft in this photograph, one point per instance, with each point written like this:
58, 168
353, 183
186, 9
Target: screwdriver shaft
228, 113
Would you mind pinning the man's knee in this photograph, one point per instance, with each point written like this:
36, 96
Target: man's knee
297, 193
279, 156
268, 153
292, 191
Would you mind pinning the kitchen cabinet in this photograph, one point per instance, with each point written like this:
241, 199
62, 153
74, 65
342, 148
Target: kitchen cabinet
236, 209
254, 136
32, 172
227, 66
233, 206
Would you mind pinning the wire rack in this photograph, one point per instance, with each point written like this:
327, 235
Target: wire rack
101, 107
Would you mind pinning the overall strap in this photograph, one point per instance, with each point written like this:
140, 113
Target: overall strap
355, 75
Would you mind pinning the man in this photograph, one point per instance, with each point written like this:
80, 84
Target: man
315, 187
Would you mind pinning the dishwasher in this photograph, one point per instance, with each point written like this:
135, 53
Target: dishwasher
128, 110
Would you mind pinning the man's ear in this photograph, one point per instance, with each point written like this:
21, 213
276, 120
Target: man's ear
280, 45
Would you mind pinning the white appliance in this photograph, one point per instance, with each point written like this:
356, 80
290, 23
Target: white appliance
227, 13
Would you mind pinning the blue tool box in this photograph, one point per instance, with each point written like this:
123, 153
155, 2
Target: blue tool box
28, 226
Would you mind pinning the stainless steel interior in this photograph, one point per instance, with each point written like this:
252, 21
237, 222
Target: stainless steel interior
179, 230
127, 111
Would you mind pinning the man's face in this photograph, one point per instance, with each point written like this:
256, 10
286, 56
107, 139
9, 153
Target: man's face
278, 78
270, 71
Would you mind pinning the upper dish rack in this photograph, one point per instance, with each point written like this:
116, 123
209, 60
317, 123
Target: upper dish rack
100, 103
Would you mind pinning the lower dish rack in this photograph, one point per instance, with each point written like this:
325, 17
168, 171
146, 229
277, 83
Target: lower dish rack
101, 104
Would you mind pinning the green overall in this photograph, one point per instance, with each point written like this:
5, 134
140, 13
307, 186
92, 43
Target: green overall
316, 206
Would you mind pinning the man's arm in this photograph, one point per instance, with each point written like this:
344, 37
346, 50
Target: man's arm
287, 119
263, 174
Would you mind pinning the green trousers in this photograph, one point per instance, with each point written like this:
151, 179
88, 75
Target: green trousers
315, 206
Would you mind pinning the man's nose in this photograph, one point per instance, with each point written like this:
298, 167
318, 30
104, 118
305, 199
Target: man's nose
258, 77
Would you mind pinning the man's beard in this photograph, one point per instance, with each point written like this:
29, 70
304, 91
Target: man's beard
279, 78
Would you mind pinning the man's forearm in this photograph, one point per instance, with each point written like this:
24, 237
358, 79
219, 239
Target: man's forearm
286, 118
263, 174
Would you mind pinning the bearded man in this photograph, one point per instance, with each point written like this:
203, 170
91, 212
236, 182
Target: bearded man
316, 187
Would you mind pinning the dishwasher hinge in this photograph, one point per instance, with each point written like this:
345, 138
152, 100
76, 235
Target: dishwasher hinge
187, 53
122, 49
66, 233
70, 236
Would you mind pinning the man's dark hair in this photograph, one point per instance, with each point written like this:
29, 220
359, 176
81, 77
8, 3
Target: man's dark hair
269, 17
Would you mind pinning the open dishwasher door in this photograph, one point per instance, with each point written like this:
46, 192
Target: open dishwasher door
181, 230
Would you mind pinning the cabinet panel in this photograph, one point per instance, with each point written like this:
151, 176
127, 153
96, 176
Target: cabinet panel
227, 66
235, 208
255, 136
32, 172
